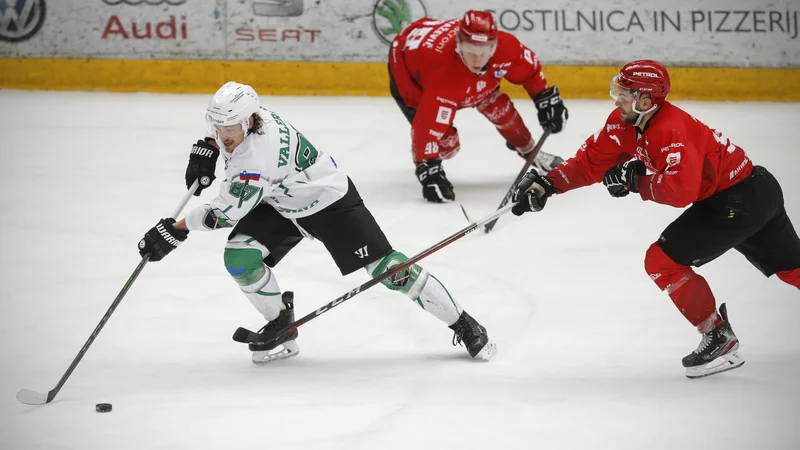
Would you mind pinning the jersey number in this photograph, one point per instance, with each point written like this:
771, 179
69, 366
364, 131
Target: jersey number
237, 187
306, 153
417, 35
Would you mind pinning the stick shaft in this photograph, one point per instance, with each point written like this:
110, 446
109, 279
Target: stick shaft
528, 163
52, 394
253, 337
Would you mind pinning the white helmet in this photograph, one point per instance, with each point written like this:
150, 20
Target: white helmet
233, 103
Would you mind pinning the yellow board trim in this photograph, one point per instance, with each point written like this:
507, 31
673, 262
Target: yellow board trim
322, 78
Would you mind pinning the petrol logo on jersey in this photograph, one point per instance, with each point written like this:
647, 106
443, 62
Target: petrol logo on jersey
389, 17
20, 20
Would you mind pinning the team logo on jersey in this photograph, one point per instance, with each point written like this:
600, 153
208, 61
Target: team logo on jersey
20, 20
481, 85
444, 115
500, 73
389, 17
673, 159
643, 153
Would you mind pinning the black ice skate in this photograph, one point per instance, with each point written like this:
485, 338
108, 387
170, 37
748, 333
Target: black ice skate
474, 337
717, 351
285, 346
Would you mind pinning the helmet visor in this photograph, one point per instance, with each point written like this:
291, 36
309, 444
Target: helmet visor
619, 93
484, 50
474, 55
228, 131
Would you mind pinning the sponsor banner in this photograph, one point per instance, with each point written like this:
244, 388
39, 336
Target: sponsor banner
130, 29
724, 33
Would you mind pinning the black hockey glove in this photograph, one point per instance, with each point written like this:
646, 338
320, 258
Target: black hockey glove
435, 187
552, 112
621, 179
160, 240
532, 193
202, 163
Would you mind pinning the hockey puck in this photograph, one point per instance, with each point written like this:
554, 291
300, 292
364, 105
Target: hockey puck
103, 407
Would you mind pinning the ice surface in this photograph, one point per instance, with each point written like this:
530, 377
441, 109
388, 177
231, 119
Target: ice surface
589, 349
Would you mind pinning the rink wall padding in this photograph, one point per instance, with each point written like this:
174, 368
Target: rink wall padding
356, 79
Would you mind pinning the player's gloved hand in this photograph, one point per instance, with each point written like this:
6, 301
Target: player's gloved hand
532, 193
621, 179
552, 112
202, 163
160, 240
435, 186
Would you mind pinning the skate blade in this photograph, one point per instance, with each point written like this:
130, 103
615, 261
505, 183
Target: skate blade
724, 363
487, 352
283, 351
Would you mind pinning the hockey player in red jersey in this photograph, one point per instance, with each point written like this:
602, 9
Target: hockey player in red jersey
652, 148
438, 67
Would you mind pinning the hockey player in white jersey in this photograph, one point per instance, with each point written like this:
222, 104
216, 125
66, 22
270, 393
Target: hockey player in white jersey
279, 188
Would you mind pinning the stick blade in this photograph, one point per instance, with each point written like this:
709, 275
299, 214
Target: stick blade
242, 335
489, 226
465, 213
30, 397
485, 230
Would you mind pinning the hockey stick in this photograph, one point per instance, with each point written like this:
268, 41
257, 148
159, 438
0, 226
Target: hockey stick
528, 162
30, 397
248, 337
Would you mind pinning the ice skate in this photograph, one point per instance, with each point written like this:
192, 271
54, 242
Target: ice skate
474, 337
285, 346
545, 162
717, 352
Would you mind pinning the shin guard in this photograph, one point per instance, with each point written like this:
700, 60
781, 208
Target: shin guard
244, 260
688, 290
418, 285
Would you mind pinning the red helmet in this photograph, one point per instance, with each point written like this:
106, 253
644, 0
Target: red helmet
646, 77
477, 26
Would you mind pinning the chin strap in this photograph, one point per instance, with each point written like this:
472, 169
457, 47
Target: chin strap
641, 113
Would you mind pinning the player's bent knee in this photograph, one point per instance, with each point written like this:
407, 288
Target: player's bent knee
245, 265
659, 266
408, 281
497, 107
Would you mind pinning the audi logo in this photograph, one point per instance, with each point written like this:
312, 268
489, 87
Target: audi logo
147, 2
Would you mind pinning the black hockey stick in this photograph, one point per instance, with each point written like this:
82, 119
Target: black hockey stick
30, 397
248, 337
528, 162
